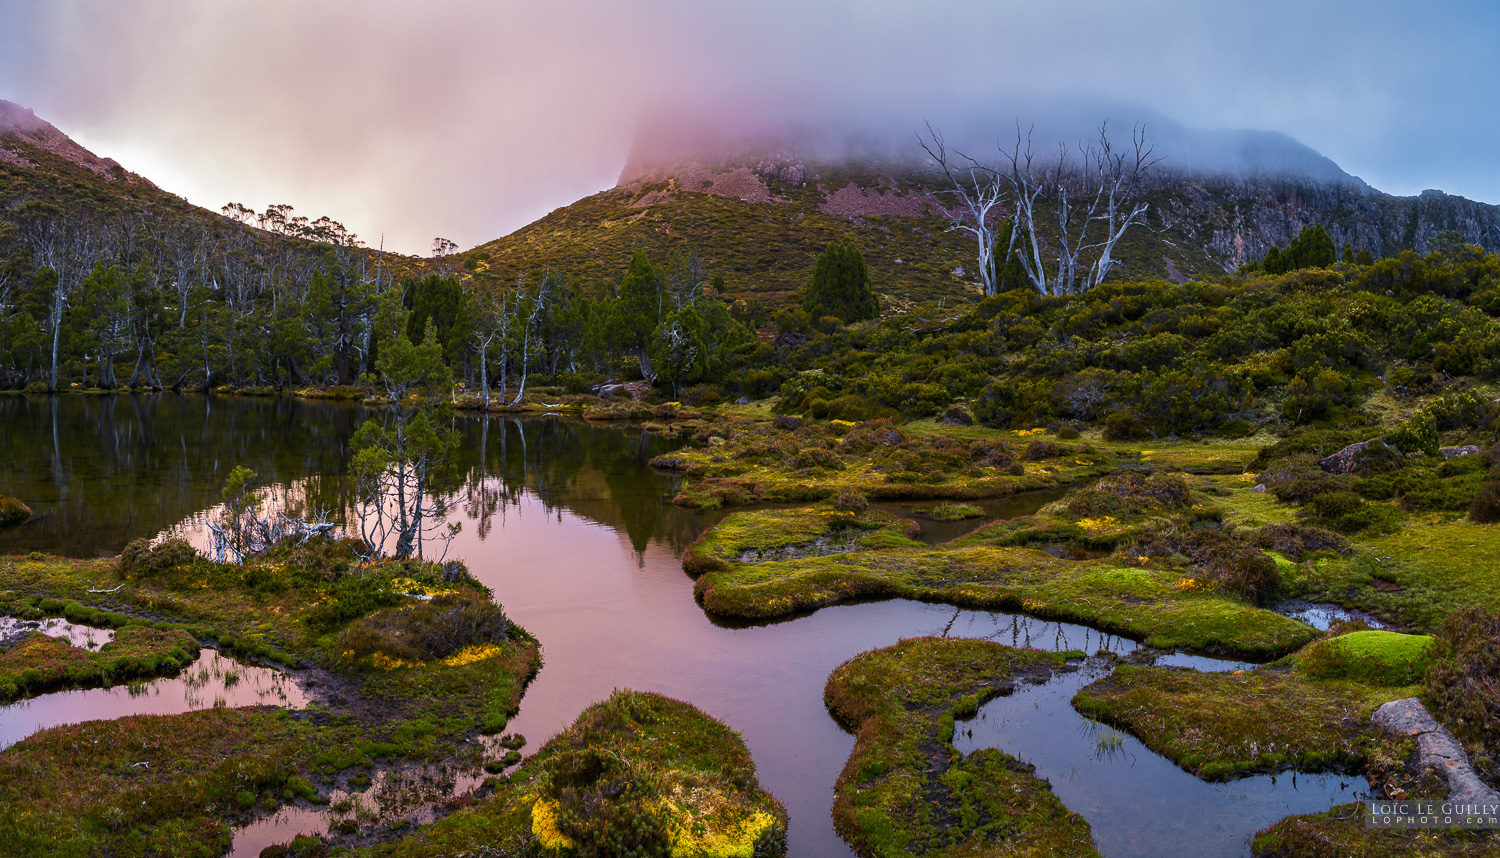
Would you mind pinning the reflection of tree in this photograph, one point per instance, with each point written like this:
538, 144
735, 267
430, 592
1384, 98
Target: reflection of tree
103, 471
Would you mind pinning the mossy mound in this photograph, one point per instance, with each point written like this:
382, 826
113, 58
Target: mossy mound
13, 511
763, 535
792, 461
1145, 604
1374, 657
906, 790
637, 774
955, 512
1220, 724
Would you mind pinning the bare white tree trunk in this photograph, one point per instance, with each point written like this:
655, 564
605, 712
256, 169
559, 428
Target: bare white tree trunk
983, 192
1097, 186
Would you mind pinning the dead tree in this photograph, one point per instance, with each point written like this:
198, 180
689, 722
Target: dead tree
1097, 186
979, 190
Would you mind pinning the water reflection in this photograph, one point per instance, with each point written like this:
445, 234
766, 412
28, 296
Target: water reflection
581, 544
212, 680
1139, 805
83, 637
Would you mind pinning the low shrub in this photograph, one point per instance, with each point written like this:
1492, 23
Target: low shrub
1297, 542
851, 501
1130, 494
142, 561
12, 511
786, 422
958, 414
1347, 512
1247, 573
1040, 450
1464, 684
1485, 509
1123, 426
427, 630
1298, 479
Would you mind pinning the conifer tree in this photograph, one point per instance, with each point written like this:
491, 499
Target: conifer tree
840, 286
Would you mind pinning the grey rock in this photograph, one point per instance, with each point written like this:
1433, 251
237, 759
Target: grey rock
1455, 452
1347, 459
1436, 748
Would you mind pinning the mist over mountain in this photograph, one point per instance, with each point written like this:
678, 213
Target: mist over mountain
1225, 195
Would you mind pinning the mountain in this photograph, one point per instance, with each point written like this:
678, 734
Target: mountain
758, 213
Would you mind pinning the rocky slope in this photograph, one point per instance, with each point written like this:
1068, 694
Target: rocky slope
759, 213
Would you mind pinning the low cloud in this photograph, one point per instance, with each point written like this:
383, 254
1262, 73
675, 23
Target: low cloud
470, 119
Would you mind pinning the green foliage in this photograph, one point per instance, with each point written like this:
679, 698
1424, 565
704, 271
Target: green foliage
840, 286
1463, 683
1373, 657
426, 630
1312, 248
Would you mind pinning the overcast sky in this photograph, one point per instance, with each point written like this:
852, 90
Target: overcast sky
470, 119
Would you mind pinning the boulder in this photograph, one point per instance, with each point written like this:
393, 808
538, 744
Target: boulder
1455, 452
1354, 456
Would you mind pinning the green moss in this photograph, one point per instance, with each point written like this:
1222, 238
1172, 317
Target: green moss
752, 537
1374, 657
636, 774
1219, 724
906, 790
1341, 833
37, 663
955, 512
1146, 604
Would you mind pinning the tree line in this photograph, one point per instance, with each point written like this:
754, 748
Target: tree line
94, 296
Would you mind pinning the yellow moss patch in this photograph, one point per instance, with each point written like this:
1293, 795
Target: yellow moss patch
734, 839
544, 826
381, 661
412, 587
1106, 522
471, 654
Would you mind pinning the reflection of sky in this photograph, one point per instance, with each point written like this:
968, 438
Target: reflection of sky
1139, 805
581, 546
86, 637
212, 680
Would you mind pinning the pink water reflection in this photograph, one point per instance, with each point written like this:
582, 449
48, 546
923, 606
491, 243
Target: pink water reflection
212, 680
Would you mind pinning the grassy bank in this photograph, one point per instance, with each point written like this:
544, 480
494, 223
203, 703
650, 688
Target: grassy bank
1216, 725
1142, 603
906, 790
414, 660
790, 460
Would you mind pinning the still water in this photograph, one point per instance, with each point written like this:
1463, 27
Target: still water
581, 544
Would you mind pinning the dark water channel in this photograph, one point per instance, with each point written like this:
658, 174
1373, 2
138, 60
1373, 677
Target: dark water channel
581, 544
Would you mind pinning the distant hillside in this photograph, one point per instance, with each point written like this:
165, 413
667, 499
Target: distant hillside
759, 214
